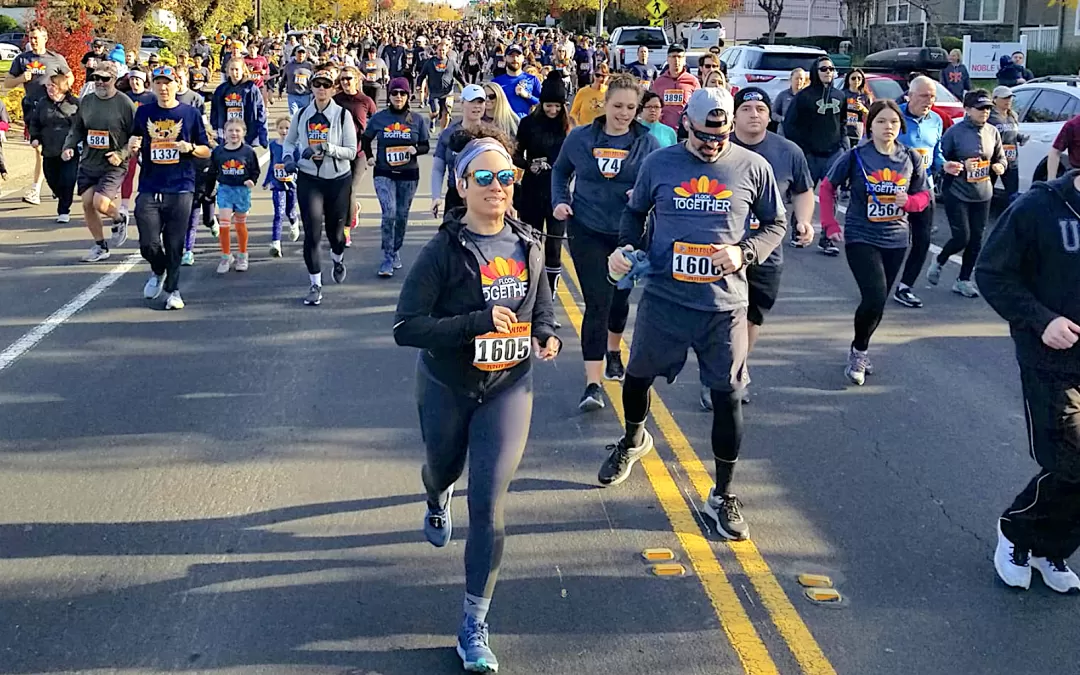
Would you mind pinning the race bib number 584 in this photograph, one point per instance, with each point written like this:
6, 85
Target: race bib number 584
693, 263
499, 351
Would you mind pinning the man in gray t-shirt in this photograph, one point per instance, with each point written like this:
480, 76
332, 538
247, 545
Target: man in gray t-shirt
701, 194
31, 70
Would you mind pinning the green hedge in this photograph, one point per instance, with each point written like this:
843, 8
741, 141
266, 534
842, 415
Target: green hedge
8, 25
1062, 62
949, 43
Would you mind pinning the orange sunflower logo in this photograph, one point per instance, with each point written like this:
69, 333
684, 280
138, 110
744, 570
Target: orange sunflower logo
703, 186
501, 268
887, 176
233, 165
318, 127
232, 99
397, 127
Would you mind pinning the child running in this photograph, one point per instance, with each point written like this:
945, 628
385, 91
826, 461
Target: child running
282, 185
236, 168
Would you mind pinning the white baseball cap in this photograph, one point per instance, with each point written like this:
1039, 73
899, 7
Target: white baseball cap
473, 92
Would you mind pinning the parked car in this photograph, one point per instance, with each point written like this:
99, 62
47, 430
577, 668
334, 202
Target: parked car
16, 39
8, 52
1043, 105
882, 85
622, 48
766, 66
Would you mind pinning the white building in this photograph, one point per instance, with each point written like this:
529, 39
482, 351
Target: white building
801, 18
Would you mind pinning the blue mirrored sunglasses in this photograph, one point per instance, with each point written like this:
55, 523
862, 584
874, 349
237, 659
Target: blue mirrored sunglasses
483, 177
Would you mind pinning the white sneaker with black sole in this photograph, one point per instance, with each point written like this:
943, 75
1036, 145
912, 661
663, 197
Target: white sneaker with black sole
96, 254
1056, 574
119, 229
726, 510
1011, 563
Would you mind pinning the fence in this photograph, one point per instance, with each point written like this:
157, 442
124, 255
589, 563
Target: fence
1042, 38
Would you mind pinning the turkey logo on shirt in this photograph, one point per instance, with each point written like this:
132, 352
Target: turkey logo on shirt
703, 194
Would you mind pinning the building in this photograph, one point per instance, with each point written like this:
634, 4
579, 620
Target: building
801, 18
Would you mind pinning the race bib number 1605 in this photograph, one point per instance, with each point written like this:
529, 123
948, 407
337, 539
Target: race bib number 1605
499, 351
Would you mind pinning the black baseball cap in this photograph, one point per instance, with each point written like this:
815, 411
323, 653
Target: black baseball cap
676, 49
514, 48
978, 99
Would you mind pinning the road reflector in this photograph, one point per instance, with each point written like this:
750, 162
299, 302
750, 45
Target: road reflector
658, 554
668, 570
823, 595
815, 581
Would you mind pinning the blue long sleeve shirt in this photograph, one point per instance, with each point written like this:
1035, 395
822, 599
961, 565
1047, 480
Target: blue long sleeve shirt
923, 135
277, 178
509, 84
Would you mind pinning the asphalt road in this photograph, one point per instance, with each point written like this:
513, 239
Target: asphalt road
234, 488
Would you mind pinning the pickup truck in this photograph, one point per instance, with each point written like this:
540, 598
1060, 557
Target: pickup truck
625, 40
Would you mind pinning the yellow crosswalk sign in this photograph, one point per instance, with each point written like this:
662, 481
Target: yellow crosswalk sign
656, 22
657, 8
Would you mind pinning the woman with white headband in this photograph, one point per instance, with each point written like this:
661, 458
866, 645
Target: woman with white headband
478, 306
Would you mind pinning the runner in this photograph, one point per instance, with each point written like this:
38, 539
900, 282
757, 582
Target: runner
322, 143
1028, 273
603, 159
817, 122
477, 307
168, 133
375, 75
641, 69
521, 89
282, 185
238, 98
296, 81
362, 108
972, 150
49, 124
438, 74
31, 70
589, 101
450, 143
752, 115
651, 108
140, 95
675, 86
887, 181
497, 110
235, 169
858, 104
402, 136
923, 135
797, 81
1004, 119
539, 141
702, 192
102, 128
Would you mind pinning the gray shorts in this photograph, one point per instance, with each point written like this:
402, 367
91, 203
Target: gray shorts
664, 332
104, 182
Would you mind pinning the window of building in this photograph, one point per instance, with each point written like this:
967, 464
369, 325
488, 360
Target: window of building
982, 11
897, 11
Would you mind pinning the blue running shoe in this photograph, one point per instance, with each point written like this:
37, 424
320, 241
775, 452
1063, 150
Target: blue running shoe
386, 269
472, 647
437, 523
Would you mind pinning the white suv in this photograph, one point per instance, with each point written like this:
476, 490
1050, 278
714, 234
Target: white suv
1043, 105
766, 66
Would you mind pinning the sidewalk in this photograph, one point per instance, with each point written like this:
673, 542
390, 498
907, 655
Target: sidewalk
19, 158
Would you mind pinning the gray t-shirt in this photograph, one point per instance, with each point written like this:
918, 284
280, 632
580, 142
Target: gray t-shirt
874, 179
42, 67
698, 204
504, 266
792, 175
976, 148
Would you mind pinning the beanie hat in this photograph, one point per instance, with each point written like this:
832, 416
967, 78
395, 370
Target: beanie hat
399, 83
752, 94
553, 90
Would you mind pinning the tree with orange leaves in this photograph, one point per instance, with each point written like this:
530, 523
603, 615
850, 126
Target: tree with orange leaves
68, 38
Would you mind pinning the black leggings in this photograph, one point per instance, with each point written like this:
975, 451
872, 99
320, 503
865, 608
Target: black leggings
606, 307
920, 223
491, 435
163, 223
727, 425
61, 176
323, 202
538, 214
967, 220
875, 270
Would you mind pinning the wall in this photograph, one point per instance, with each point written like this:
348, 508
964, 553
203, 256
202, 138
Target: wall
750, 22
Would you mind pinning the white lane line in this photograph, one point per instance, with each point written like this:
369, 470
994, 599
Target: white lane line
57, 318
955, 259
38, 333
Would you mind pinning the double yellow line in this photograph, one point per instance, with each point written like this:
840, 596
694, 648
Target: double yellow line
734, 620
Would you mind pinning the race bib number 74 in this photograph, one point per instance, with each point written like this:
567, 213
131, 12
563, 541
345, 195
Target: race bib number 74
693, 263
609, 161
500, 351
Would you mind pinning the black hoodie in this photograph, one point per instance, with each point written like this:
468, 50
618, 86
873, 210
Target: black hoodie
817, 119
1029, 270
441, 309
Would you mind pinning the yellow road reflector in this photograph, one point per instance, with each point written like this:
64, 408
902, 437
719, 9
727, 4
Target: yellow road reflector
658, 554
815, 581
823, 595
668, 570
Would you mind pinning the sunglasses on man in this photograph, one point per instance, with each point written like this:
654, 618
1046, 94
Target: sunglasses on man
101, 78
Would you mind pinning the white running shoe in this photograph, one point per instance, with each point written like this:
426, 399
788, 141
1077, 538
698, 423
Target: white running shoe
275, 249
1056, 574
174, 301
32, 195
241, 262
294, 230
225, 264
1011, 563
96, 254
64, 218
153, 286
120, 229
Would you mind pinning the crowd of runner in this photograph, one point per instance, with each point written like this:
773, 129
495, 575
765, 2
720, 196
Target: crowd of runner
660, 178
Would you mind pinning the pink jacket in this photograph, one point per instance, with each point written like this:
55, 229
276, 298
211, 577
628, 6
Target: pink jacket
674, 93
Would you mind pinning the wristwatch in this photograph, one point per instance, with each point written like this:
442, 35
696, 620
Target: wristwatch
749, 256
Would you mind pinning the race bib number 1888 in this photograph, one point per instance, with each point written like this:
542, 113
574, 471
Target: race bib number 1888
692, 263
499, 351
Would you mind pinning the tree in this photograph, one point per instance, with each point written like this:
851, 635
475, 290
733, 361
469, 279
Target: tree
773, 10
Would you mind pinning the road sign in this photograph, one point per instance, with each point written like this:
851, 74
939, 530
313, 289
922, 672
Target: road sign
656, 22
657, 8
